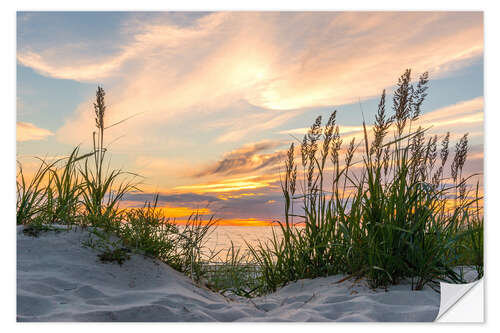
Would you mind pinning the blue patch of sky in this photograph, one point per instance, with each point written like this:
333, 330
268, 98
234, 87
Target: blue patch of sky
105, 31
48, 102
48, 29
465, 84
180, 19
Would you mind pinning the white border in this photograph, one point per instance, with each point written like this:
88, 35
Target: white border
492, 131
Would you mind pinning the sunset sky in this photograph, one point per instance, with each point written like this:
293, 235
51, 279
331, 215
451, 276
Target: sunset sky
217, 98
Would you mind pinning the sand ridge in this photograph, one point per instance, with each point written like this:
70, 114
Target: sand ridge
60, 280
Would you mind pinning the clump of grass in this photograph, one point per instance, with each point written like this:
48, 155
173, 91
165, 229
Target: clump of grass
472, 245
82, 190
386, 217
111, 249
190, 246
32, 195
35, 229
63, 196
119, 255
53, 194
148, 230
475, 247
236, 274
102, 189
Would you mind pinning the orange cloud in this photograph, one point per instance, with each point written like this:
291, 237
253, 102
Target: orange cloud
250, 222
230, 185
465, 112
30, 132
169, 211
244, 222
245, 159
238, 196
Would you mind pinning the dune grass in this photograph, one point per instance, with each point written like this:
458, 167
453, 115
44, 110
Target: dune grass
390, 215
149, 232
31, 196
237, 273
81, 190
102, 190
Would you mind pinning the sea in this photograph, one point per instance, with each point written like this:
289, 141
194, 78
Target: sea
219, 240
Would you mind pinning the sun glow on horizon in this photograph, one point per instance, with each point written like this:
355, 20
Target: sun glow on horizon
229, 185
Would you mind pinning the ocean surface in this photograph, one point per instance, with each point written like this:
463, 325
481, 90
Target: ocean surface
220, 239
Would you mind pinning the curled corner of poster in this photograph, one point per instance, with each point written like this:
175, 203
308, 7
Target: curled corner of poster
462, 303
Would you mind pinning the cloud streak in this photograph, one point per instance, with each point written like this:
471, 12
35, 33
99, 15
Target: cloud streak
231, 185
171, 198
30, 132
465, 112
245, 160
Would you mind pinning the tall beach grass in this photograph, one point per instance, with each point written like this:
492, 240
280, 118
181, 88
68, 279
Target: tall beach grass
384, 210
82, 190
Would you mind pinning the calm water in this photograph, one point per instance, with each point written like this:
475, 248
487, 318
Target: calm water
221, 237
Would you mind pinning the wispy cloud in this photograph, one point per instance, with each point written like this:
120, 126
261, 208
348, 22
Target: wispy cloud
170, 198
465, 112
342, 130
87, 72
245, 160
255, 122
293, 61
31, 132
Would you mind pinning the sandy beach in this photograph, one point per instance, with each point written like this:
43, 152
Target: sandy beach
60, 280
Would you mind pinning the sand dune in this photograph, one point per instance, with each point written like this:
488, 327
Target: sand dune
59, 280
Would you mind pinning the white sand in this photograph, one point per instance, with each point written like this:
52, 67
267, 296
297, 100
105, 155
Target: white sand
59, 280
